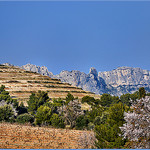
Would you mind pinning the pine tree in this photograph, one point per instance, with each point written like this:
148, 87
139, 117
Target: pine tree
142, 92
107, 134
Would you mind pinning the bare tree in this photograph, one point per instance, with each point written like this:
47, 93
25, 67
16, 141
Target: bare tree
71, 111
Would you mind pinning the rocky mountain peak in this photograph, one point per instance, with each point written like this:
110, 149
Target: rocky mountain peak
116, 82
7, 64
42, 70
123, 68
93, 71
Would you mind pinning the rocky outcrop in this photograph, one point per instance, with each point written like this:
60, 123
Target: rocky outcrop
116, 82
42, 70
7, 64
89, 82
126, 79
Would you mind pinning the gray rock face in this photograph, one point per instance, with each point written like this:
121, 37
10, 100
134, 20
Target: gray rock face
7, 64
42, 70
126, 79
116, 82
88, 82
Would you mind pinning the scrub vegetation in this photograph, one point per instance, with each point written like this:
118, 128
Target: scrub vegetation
115, 120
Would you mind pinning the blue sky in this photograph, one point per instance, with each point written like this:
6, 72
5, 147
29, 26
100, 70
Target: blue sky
75, 35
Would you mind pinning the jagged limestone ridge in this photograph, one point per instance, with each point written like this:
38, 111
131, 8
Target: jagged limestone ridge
116, 82
42, 70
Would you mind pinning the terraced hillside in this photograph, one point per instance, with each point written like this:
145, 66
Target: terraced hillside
21, 83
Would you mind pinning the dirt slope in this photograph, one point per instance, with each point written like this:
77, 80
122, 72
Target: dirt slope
26, 137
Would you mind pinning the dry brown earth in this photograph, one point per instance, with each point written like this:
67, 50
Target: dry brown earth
27, 137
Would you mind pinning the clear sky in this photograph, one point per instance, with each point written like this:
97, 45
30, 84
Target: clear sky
75, 35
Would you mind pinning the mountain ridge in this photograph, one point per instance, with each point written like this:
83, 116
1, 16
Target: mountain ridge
119, 81
21, 83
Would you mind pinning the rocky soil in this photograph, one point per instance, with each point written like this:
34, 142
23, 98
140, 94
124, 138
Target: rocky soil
26, 137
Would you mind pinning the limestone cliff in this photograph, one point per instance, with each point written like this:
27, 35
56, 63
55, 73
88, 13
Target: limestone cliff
126, 79
89, 82
116, 82
42, 70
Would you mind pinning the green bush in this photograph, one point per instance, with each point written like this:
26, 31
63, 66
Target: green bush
82, 122
36, 100
6, 113
43, 115
107, 134
25, 118
22, 109
56, 121
106, 100
69, 98
91, 126
142, 93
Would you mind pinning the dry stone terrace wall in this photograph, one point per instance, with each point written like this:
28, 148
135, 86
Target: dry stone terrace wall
27, 137
21, 83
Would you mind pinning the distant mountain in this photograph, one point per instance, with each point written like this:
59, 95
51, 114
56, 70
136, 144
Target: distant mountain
7, 64
89, 82
42, 70
126, 79
116, 82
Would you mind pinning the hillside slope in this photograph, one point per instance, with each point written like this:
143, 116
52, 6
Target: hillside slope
21, 83
116, 82
26, 137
